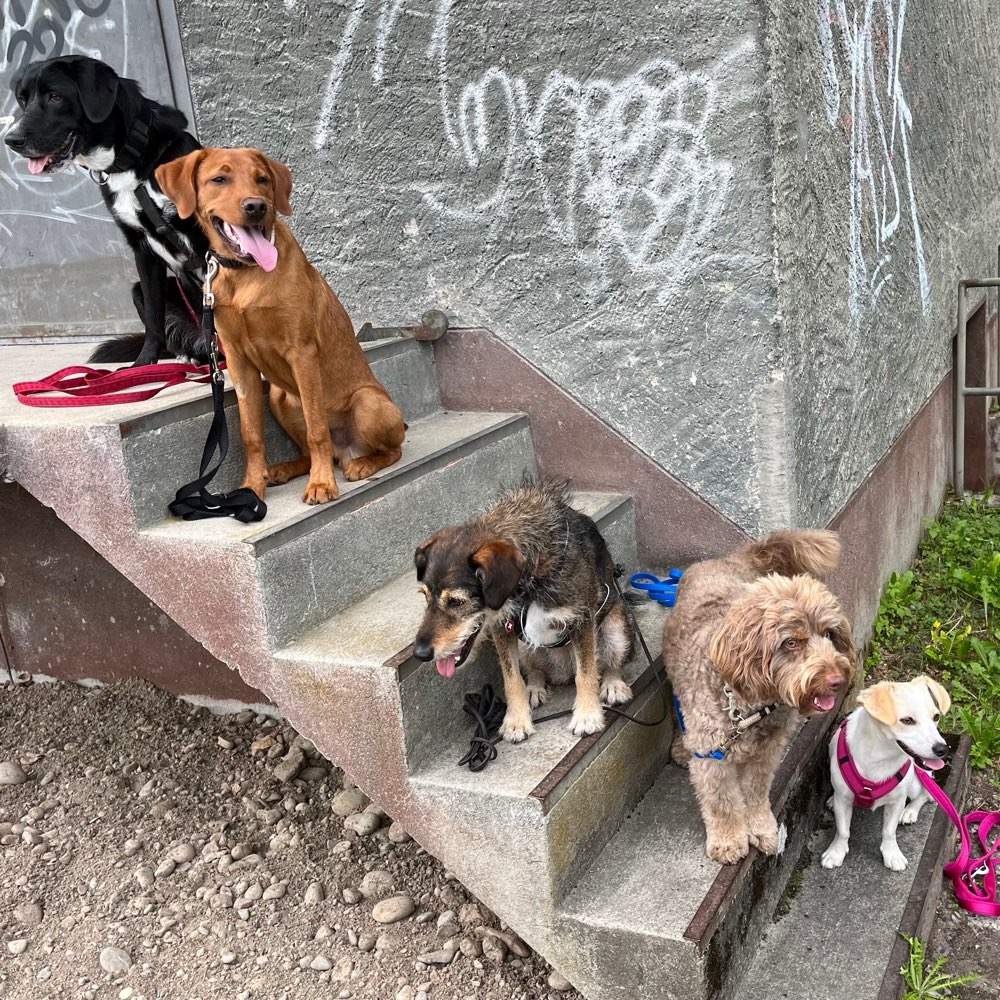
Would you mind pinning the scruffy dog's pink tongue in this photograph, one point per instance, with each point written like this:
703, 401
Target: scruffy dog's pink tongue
824, 702
932, 763
446, 667
36, 164
252, 242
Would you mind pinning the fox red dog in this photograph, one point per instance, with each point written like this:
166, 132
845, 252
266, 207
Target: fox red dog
278, 317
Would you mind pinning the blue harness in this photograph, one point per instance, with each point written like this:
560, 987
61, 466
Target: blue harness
739, 724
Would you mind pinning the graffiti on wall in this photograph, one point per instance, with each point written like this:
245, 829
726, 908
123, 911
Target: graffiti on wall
622, 170
32, 30
869, 101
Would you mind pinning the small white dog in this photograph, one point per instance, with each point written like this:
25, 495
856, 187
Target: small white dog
873, 755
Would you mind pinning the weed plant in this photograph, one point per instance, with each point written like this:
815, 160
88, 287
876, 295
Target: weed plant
942, 616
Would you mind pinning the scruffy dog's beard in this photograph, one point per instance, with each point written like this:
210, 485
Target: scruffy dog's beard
811, 685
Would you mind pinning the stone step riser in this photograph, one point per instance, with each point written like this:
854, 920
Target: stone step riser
164, 451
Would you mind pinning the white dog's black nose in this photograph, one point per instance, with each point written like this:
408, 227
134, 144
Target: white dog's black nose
941, 749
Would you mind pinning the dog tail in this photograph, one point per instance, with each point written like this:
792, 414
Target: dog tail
117, 350
814, 552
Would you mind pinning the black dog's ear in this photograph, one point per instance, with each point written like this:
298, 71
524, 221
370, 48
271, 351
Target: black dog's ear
420, 557
498, 566
98, 86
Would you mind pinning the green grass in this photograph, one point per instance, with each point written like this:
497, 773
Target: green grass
942, 617
931, 983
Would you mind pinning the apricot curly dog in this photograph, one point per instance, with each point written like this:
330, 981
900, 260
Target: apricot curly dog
752, 644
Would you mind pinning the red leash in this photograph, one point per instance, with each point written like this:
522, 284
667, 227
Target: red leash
974, 878
85, 386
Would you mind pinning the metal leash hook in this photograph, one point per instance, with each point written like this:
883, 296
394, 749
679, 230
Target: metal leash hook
208, 304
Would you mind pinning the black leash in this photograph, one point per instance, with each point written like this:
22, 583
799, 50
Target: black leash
193, 501
487, 709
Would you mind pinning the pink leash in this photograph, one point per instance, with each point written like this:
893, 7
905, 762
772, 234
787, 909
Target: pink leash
974, 896
104, 387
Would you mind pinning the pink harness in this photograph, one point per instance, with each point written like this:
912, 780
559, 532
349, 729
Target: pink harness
866, 793
972, 895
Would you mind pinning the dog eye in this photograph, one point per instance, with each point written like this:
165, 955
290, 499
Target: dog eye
790, 644
219, 179
936, 716
828, 634
54, 98
263, 179
455, 602
908, 721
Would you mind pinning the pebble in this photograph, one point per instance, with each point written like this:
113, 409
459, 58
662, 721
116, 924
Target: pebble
30, 914
377, 884
494, 949
352, 896
226, 744
31, 836
166, 867
315, 893
470, 947
393, 909
115, 961
182, 853
442, 957
349, 801
471, 915
559, 983
366, 942
11, 773
406, 993
342, 970
132, 848
397, 834
312, 774
17, 946
227, 958
145, 877
321, 964
275, 891
289, 766
363, 824
240, 851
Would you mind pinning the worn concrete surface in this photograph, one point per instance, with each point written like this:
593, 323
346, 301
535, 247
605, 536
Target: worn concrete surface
590, 182
852, 912
886, 181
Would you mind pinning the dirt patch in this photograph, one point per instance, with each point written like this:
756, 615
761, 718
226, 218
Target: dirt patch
203, 857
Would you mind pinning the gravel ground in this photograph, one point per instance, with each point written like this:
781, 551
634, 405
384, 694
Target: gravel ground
152, 849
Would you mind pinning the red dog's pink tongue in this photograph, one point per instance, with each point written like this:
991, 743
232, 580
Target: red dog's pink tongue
824, 702
446, 667
932, 763
252, 242
36, 164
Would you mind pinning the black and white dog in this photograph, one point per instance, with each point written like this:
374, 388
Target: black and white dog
79, 110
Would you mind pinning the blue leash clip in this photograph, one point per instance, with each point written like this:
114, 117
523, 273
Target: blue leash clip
664, 591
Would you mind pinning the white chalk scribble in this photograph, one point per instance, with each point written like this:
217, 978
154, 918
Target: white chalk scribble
623, 169
880, 122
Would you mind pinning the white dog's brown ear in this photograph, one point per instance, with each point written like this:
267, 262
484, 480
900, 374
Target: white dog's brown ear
879, 702
939, 696
741, 650
498, 566
177, 181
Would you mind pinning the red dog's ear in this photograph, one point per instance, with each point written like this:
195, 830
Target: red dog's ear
498, 566
282, 178
177, 181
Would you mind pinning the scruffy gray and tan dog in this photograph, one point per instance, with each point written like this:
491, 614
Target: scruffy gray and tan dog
753, 642
536, 576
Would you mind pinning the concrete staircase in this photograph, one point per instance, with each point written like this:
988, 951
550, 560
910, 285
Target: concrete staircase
591, 849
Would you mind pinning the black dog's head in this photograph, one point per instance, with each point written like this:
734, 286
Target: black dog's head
466, 577
67, 104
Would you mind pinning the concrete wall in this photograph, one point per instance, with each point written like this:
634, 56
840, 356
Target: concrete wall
589, 181
887, 173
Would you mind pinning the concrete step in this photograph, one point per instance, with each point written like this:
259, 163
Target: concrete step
163, 445
314, 561
859, 909
655, 918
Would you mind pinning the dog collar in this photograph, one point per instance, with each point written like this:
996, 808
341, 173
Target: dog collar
136, 141
515, 623
230, 262
740, 723
866, 793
